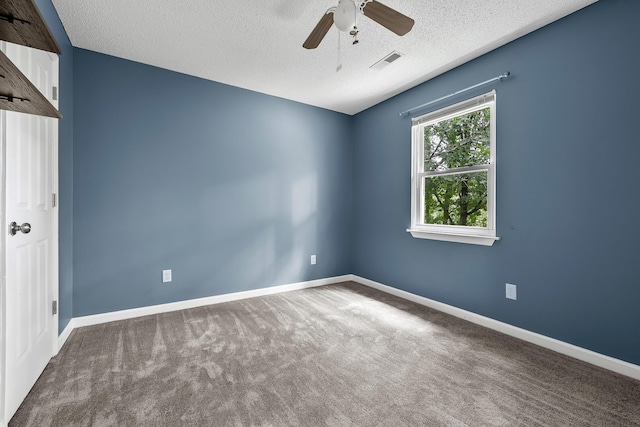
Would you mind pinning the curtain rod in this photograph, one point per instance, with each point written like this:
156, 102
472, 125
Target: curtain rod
501, 77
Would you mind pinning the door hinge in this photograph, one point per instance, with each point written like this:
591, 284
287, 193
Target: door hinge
54, 93
54, 307
54, 200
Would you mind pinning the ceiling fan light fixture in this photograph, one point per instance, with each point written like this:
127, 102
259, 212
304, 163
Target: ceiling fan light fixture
344, 17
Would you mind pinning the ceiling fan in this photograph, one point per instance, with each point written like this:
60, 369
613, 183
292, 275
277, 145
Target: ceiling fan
344, 17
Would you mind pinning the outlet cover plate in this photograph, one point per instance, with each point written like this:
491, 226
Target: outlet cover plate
511, 291
166, 276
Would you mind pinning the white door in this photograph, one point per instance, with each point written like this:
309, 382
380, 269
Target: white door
31, 263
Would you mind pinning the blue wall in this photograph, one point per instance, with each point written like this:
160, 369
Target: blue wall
65, 164
231, 189
567, 200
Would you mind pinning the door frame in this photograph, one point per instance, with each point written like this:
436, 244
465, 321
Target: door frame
54, 280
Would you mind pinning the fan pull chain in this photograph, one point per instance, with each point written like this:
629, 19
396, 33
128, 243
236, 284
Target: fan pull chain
339, 66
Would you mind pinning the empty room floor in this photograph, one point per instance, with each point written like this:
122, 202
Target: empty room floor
336, 355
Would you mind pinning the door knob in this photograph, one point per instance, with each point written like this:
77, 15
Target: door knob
14, 228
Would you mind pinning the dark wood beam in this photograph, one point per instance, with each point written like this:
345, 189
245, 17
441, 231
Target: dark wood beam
22, 23
17, 93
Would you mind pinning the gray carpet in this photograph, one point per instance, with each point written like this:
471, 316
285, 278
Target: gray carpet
339, 355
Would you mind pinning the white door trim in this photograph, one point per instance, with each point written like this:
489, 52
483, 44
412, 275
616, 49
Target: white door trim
55, 268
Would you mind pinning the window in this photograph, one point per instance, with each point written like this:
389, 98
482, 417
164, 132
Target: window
453, 173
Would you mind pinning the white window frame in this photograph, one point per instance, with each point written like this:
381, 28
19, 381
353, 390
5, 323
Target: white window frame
452, 233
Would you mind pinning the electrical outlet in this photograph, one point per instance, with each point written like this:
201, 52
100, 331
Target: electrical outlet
511, 291
313, 260
166, 276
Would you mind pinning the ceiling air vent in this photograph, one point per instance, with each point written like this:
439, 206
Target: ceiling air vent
393, 56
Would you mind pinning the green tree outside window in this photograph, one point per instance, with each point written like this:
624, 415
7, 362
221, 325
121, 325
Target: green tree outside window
458, 198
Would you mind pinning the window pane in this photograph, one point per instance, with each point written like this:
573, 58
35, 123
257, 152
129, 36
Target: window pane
459, 199
458, 142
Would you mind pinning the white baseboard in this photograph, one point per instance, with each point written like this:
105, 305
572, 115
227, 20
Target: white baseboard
597, 359
96, 319
601, 360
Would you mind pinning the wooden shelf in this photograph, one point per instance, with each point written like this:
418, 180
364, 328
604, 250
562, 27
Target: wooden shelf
21, 23
17, 93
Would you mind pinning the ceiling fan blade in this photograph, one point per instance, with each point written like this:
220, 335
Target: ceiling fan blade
319, 31
389, 18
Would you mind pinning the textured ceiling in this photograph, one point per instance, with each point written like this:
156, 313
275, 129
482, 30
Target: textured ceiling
257, 45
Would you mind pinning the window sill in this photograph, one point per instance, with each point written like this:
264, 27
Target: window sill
458, 238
